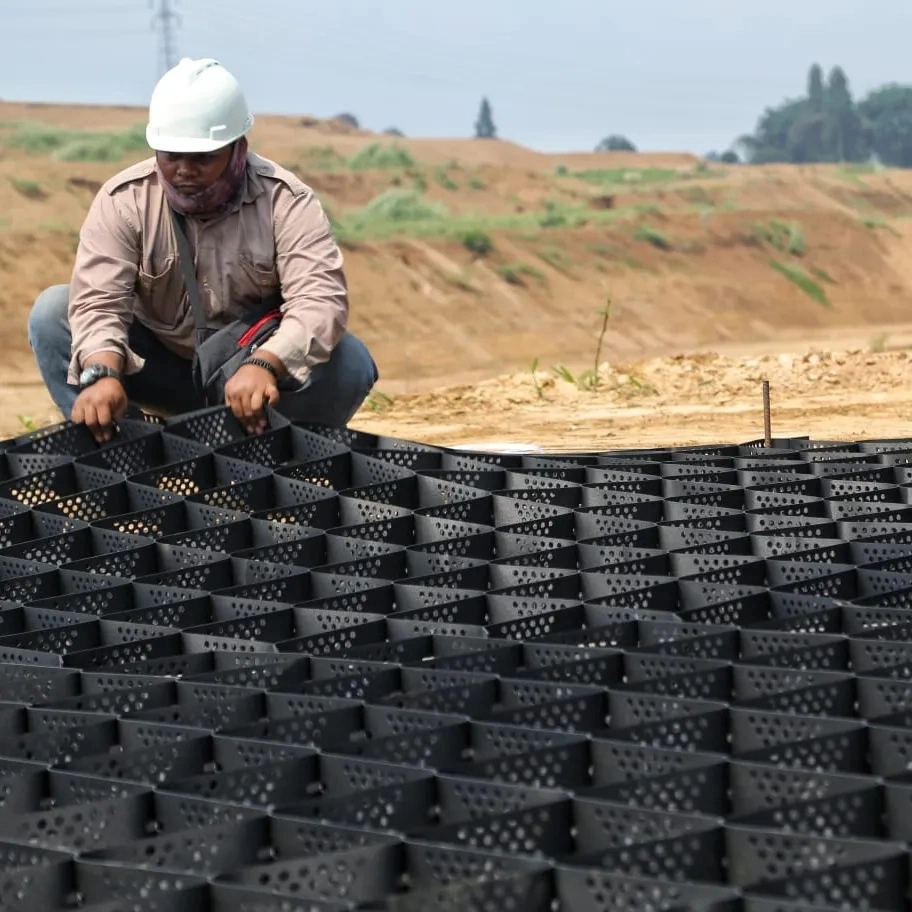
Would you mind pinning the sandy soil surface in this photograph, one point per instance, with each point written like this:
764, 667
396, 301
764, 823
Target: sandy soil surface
710, 398
842, 395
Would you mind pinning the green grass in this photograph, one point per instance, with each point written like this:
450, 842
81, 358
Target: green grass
28, 188
378, 402
399, 206
852, 171
406, 213
561, 214
516, 273
803, 280
628, 175
78, 145
322, 158
375, 157
615, 254
652, 236
787, 238
876, 223
378, 156
444, 179
639, 176
556, 259
555, 215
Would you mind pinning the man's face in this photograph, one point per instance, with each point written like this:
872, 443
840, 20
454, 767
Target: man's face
192, 173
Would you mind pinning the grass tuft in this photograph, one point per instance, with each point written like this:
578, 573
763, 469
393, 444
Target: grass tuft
803, 280
785, 237
652, 236
516, 273
30, 189
79, 145
378, 156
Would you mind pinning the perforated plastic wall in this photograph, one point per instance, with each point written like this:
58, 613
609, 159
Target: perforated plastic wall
325, 670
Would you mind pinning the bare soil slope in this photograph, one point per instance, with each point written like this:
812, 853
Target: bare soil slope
504, 258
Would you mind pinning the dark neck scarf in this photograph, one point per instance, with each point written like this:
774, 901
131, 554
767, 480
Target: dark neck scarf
218, 197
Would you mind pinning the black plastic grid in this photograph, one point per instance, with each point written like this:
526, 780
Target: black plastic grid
323, 669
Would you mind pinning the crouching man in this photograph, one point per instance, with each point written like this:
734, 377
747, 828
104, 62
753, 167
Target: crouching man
124, 332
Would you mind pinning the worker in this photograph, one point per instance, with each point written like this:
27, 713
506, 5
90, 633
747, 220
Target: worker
122, 335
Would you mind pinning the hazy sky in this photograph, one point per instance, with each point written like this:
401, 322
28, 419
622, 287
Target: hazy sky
560, 74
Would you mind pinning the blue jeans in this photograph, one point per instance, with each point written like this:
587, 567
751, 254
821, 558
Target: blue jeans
165, 386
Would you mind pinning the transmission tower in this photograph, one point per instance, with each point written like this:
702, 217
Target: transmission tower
165, 19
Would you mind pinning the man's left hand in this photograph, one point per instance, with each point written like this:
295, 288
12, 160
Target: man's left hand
247, 394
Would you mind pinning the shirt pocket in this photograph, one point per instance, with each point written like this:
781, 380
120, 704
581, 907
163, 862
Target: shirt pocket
252, 279
160, 295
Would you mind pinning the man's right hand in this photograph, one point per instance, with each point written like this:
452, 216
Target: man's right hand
98, 406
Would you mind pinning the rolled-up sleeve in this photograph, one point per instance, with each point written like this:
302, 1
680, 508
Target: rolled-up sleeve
313, 286
102, 285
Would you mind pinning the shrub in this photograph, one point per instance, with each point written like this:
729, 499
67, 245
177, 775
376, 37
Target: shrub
398, 205
380, 155
477, 242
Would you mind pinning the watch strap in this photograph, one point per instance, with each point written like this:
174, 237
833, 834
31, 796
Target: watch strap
262, 362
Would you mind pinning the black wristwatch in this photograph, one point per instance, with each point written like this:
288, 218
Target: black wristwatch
92, 373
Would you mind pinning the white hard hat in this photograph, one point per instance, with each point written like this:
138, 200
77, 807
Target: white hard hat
197, 106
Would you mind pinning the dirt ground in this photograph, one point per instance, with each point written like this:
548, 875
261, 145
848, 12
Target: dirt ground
697, 320
711, 398
841, 394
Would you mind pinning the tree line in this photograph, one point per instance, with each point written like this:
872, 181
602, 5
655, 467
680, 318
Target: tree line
825, 124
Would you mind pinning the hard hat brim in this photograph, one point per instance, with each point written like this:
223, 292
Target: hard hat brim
186, 145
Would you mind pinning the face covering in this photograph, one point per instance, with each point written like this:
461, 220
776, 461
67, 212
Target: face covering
218, 197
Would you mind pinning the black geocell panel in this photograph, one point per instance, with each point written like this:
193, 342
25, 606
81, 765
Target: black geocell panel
321, 669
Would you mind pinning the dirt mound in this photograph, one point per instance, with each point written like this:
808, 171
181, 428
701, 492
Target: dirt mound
711, 398
710, 378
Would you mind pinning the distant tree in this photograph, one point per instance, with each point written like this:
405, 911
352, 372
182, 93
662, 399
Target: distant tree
843, 129
484, 126
393, 131
728, 157
816, 90
823, 126
615, 143
349, 119
772, 139
887, 113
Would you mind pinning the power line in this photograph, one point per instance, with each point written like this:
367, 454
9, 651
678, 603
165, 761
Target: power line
165, 20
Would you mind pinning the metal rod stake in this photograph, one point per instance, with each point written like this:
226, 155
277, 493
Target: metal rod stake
767, 423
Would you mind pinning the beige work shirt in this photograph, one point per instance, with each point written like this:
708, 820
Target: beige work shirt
278, 239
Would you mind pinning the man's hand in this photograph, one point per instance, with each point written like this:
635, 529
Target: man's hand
247, 393
98, 406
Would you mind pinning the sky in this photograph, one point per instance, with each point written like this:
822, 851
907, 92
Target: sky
672, 75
